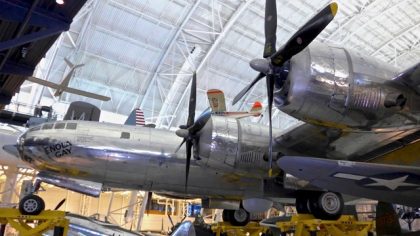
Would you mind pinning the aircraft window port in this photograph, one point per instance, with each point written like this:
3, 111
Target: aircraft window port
59, 125
125, 135
35, 128
71, 126
47, 126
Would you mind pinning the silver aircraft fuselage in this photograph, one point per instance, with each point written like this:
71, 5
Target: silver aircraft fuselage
327, 86
130, 157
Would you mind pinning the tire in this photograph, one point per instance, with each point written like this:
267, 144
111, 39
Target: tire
31, 205
326, 205
239, 217
225, 215
302, 203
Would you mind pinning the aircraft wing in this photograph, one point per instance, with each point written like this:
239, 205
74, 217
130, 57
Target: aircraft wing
43, 82
87, 94
410, 77
388, 183
11, 149
317, 141
69, 90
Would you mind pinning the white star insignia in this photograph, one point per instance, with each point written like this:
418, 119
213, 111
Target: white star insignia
392, 183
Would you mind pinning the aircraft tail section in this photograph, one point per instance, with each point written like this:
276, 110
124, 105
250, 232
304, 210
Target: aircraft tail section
410, 77
82, 111
256, 108
136, 118
216, 100
387, 222
65, 82
69, 64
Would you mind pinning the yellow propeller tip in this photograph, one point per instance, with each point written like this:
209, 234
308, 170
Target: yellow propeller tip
334, 8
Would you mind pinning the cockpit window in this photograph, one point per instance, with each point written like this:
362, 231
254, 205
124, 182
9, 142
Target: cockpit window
59, 125
125, 135
35, 128
47, 126
71, 126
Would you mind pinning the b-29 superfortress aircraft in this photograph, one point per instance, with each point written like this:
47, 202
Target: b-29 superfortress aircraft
228, 162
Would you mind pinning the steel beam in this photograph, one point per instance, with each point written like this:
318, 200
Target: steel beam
17, 69
30, 38
370, 19
241, 9
399, 35
167, 50
18, 10
352, 18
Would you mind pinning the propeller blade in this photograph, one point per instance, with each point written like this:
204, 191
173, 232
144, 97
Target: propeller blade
270, 28
305, 35
180, 145
60, 204
247, 88
192, 103
270, 94
187, 167
200, 123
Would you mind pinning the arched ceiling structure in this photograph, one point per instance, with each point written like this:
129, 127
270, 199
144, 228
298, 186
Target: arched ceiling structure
142, 53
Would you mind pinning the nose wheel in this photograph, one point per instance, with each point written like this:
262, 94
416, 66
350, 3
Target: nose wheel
31, 205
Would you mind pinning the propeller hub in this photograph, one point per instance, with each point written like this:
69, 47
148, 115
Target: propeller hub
260, 65
183, 133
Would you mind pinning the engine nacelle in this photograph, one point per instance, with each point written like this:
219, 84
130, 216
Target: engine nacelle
229, 144
332, 87
256, 205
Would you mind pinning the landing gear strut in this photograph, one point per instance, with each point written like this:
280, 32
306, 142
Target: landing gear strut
323, 205
31, 204
238, 217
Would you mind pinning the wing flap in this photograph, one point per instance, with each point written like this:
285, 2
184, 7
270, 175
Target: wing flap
388, 183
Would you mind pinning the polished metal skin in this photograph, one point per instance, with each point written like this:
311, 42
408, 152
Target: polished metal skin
326, 86
130, 157
334, 87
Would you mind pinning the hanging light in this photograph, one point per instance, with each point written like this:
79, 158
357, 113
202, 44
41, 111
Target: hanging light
61, 2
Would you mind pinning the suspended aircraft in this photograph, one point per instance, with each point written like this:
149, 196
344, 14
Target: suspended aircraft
227, 163
64, 85
217, 103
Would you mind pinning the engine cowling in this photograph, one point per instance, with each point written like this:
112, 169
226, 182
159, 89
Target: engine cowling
256, 205
333, 87
235, 146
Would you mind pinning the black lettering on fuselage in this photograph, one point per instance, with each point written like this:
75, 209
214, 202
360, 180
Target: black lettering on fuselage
58, 149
